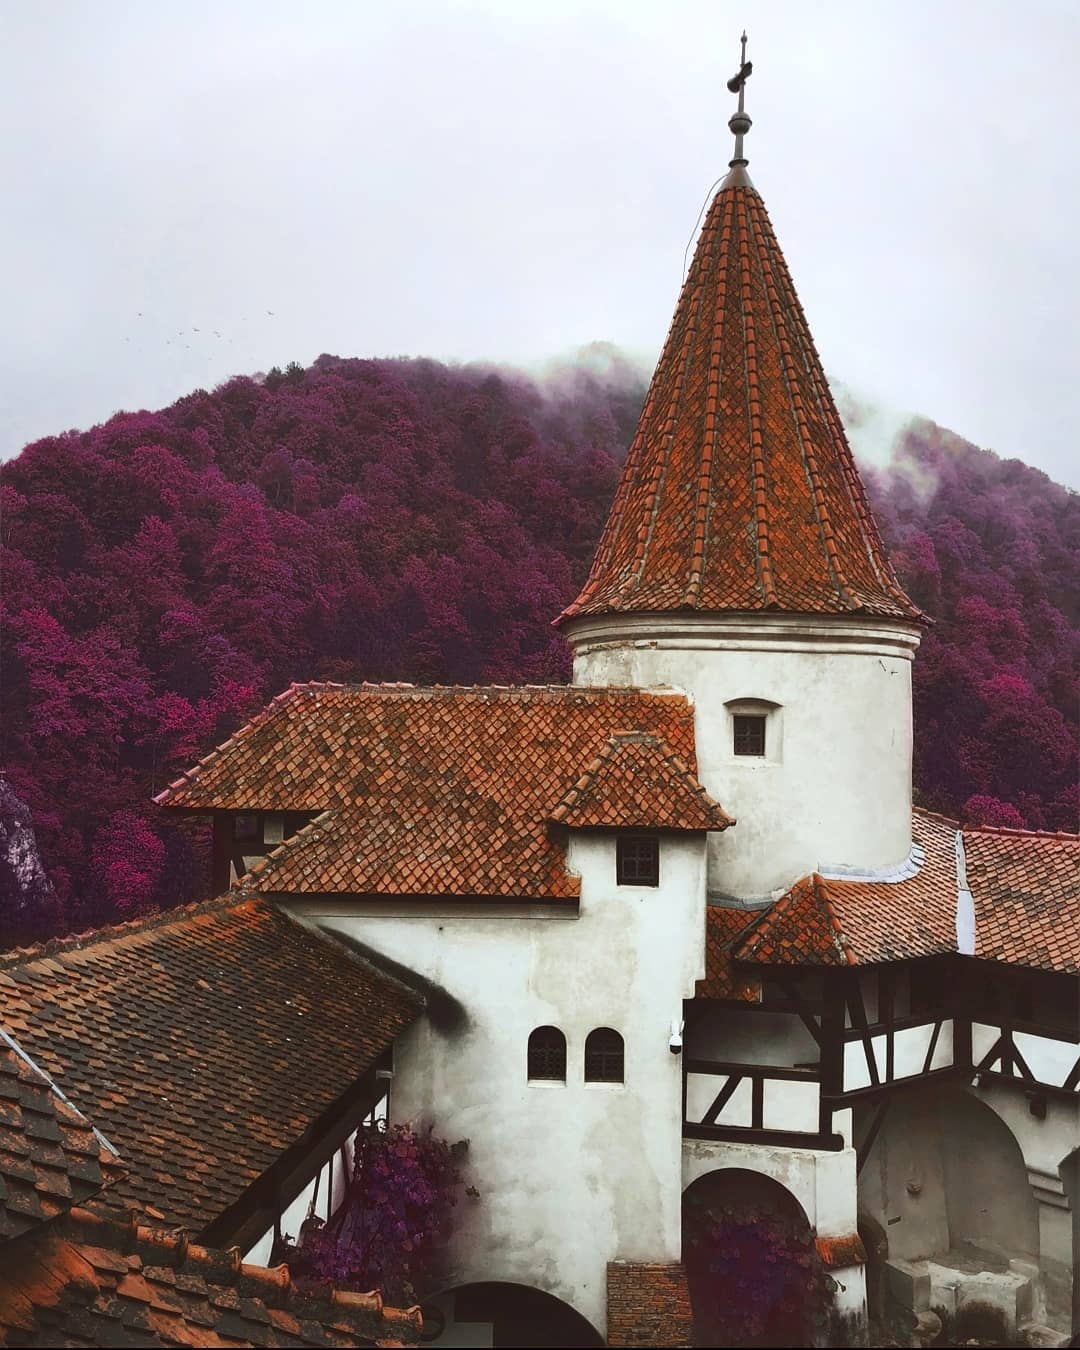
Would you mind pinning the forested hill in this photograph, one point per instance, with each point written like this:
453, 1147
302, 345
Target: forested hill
166, 573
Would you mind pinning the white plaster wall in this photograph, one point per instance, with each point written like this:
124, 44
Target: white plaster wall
837, 790
910, 1045
571, 1176
750, 1035
1049, 1059
823, 1182
786, 1105
902, 1184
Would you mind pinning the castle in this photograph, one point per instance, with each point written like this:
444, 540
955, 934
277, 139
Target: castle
678, 930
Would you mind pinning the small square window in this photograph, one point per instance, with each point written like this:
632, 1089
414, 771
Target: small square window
749, 735
246, 826
637, 860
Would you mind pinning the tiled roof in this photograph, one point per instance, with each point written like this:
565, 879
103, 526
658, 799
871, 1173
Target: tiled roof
1026, 888
50, 1156
429, 791
639, 782
202, 1042
723, 926
802, 928
92, 1281
739, 491
892, 921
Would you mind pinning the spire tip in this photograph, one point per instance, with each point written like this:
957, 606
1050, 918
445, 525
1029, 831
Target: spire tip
740, 122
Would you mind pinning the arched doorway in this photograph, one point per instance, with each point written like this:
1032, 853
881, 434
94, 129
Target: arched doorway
945, 1173
498, 1314
754, 1273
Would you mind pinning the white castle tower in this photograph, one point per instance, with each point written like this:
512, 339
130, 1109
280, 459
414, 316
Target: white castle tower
741, 563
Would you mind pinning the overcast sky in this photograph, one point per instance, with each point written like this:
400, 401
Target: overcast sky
509, 179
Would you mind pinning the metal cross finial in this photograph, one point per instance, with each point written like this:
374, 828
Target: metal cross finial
740, 122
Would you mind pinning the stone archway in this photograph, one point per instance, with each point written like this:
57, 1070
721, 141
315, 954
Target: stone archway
947, 1182
496, 1313
754, 1273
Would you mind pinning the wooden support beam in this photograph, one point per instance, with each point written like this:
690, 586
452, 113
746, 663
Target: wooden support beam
931, 1047
854, 999
721, 1099
737, 1134
864, 1149
717, 1067
757, 1102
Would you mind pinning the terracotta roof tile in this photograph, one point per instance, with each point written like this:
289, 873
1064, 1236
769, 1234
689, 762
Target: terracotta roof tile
638, 782
1026, 888
428, 791
739, 491
93, 1281
51, 1158
801, 928
202, 1042
723, 927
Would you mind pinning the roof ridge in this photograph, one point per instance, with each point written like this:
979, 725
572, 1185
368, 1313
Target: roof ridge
264, 713
935, 815
659, 473
712, 399
1020, 833
55, 947
672, 761
114, 1159
868, 525
757, 454
821, 892
274, 1284
821, 508
260, 867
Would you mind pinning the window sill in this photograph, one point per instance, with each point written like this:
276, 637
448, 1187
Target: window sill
545, 1082
605, 1087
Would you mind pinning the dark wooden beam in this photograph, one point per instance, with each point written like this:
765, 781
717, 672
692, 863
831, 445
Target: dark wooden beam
757, 1102
721, 1099
854, 999
723, 1066
841, 1099
931, 1047
864, 1149
737, 1134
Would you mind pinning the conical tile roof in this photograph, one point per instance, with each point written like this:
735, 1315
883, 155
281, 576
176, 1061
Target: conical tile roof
740, 492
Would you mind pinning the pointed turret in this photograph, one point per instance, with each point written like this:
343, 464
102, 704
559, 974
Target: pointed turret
740, 492
741, 564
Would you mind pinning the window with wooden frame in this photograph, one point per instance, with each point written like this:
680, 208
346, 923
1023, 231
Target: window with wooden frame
547, 1055
637, 860
749, 734
604, 1056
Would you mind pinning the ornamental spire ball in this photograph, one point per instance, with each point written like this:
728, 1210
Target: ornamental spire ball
739, 122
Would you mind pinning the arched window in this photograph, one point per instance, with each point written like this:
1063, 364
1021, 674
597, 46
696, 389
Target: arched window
603, 1056
547, 1054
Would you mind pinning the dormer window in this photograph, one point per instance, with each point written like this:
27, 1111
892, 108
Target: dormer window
749, 734
637, 860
